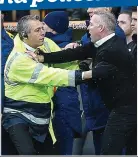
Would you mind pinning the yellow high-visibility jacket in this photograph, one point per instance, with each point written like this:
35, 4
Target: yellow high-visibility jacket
29, 81
28, 77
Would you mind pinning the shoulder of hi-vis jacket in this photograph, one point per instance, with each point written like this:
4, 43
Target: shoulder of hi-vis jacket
10, 35
52, 45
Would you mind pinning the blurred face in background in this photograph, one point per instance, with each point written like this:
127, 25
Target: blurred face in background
48, 29
91, 11
95, 28
124, 21
134, 22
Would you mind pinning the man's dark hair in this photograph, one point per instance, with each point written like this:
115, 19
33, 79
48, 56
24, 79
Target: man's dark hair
126, 12
116, 11
134, 9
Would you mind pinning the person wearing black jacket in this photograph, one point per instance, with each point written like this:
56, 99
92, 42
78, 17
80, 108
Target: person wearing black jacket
114, 73
127, 20
134, 28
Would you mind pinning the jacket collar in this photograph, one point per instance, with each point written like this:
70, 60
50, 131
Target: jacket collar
103, 40
29, 47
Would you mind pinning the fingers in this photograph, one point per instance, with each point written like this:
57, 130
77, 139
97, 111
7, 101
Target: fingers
32, 54
76, 45
71, 46
36, 57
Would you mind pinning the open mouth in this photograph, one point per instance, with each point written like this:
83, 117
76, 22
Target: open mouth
41, 39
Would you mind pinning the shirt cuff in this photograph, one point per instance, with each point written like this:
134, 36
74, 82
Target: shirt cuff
82, 75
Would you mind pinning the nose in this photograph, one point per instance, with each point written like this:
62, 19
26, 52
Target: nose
88, 27
42, 31
132, 23
42, 34
119, 24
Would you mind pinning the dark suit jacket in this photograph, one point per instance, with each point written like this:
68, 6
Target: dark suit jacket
113, 72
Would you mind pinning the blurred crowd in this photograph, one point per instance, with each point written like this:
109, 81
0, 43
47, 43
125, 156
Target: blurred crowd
74, 14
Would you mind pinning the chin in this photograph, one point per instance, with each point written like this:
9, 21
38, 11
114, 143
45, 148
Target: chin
135, 32
93, 41
41, 43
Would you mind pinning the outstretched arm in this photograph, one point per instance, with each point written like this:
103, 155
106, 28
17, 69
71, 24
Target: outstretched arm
79, 53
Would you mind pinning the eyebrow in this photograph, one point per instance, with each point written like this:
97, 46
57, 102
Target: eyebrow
121, 21
133, 18
38, 28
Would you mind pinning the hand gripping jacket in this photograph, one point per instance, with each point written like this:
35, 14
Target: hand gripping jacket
31, 82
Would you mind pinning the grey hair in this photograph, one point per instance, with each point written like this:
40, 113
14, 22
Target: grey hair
107, 19
23, 27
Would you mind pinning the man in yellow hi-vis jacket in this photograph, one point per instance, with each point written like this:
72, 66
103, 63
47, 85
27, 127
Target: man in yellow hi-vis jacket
29, 88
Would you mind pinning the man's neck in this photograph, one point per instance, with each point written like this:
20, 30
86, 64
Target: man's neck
134, 38
28, 47
106, 34
104, 39
129, 39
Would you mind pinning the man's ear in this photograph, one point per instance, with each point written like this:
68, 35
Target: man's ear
24, 35
101, 27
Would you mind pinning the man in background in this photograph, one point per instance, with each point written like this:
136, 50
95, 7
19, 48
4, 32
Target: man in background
128, 25
6, 47
124, 21
134, 29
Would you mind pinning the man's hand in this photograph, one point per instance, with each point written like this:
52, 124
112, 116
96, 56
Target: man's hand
71, 46
35, 56
87, 75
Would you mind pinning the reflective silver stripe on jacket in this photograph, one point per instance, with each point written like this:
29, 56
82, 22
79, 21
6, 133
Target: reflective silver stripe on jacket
47, 46
71, 76
36, 72
7, 69
40, 121
80, 97
47, 50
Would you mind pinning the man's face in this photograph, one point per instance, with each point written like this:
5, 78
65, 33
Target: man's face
36, 35
134, 22
48, 29
124, 21
91, 11
94, 28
